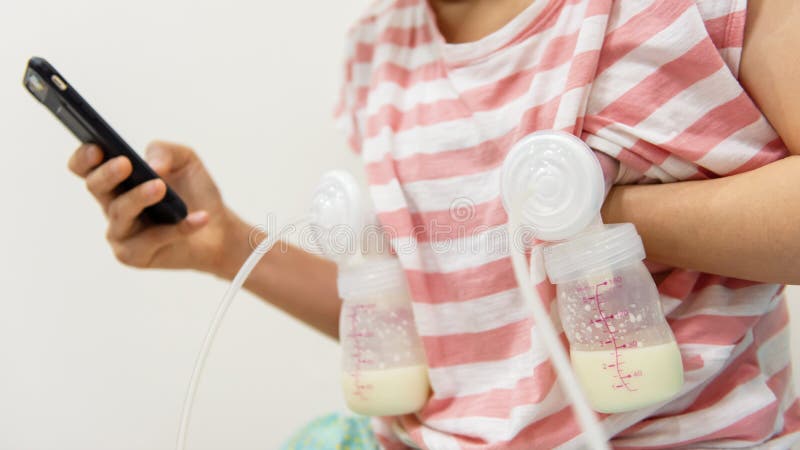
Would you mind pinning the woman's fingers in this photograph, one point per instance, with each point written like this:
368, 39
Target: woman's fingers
124, 210
102, 181
141, 249
84, 159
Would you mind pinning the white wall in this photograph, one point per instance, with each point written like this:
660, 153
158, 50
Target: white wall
94, 355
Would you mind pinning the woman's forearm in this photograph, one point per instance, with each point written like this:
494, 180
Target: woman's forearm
744, 226
299, 283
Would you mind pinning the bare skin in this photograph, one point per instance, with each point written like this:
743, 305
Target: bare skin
743, 226
462, 21
211, 239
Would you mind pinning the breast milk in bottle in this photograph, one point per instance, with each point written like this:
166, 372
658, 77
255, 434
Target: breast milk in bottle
621, 347
384, 372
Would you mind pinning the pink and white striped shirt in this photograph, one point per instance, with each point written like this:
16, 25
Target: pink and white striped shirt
652, 83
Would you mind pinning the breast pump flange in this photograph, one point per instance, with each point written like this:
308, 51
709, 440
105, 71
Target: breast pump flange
338, 212
553, 186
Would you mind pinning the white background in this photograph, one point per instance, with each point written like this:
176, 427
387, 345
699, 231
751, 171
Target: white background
96, 356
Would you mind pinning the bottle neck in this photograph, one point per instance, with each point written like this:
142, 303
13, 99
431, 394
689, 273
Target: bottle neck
596, 225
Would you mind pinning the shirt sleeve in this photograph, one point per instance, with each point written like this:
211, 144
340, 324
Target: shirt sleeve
725, 23
353, 90
666, 101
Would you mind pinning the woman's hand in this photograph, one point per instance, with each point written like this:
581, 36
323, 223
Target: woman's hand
211, 238
198, 242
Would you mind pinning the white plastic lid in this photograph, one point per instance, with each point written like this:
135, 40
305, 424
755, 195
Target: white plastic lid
373, 279
337, 202
555, 181
608, 247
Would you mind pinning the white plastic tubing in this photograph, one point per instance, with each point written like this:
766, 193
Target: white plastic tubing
592, 430
236, 285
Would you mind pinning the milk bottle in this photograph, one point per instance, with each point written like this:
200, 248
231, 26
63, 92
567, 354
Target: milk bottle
621, 347
623, 353
384, 372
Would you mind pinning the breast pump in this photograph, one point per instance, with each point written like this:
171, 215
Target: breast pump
384, 372
624, 355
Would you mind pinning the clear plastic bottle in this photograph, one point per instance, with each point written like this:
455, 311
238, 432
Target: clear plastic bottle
384, 372
621, 346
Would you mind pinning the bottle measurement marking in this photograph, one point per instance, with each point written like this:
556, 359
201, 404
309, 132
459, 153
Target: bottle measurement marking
359, 347
605, 320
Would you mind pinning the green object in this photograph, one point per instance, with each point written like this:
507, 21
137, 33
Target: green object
334, 432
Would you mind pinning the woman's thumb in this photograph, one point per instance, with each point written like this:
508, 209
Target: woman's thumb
166, 157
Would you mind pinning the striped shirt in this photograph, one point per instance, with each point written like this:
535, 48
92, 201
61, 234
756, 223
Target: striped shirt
651, 83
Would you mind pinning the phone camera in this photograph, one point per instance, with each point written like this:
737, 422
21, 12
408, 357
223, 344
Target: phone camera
36, 86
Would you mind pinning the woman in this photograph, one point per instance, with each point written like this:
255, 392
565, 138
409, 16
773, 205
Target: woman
689, 96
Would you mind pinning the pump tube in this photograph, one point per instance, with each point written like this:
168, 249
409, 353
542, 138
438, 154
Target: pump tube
234, 288
593, 432
551, 181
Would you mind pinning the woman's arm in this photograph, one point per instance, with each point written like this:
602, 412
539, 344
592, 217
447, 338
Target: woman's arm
299, 283
770, 69
211, 239
747, 225
744, 226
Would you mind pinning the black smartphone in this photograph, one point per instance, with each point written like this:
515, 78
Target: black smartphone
52, 90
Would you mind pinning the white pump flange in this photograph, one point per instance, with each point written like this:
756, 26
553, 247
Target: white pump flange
554, 182
338, 202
